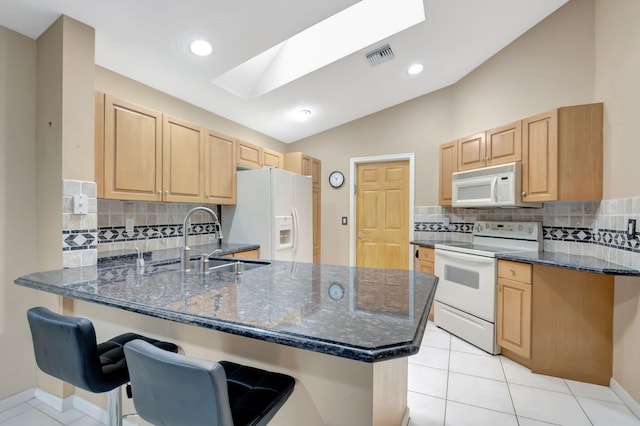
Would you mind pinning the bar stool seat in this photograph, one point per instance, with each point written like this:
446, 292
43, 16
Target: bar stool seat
172, 389
66, 348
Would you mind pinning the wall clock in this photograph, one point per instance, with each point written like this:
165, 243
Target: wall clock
336, 179
336, 291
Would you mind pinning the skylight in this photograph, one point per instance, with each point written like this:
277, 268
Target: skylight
340, 35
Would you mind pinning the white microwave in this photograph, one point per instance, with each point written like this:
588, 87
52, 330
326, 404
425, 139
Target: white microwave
495, 186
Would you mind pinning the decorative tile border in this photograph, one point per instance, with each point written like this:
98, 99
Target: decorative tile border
114, 234
79, 239
611, 238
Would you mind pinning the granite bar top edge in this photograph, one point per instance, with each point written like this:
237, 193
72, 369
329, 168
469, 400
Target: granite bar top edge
357, 353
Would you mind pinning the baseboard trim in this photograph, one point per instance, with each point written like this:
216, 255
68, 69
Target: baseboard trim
53, 401
17, 399
628, 400
90, 409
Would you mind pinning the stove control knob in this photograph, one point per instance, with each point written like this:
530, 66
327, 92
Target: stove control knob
531, 230
480, 228
519, 227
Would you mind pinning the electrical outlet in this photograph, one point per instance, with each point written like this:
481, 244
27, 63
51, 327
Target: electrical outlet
631, 229
80, 204
445, 222
344, 220
594, 227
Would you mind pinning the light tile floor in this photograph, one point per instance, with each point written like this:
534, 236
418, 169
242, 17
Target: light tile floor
450, 383
454, 383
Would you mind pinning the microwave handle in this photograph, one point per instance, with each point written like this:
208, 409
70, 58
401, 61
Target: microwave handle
494, 189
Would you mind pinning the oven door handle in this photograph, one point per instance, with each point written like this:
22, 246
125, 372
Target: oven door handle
464, 256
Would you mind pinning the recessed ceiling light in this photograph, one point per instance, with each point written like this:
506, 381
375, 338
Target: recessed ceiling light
303, 114
201, 48
415, 69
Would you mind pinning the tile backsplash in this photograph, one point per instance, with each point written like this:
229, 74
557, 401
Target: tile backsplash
154, 225
568, 227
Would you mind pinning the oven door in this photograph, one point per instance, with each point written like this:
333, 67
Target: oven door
467, 282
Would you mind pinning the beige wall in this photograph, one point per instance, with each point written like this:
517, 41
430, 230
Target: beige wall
549, 66
617, 84
18, 200
132, 91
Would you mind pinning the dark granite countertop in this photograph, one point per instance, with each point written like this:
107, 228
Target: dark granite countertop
559, 260
570, 261
363, 314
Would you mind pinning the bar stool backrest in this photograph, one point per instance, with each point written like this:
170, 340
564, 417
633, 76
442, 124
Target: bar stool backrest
171, 389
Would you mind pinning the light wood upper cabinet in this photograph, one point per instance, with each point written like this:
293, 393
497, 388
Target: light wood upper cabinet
471, 152
513, 322
563, 154
132, 151
272, 159
248, 155
220, 169
496, 146
256, 157
305, 165
183, 161
448, 165
504, 144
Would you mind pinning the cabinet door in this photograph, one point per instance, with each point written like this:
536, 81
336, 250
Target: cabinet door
305, 166
472, 152
317, 231
448, 165
98, 136
248, 155
183, 161
514, 317
316, 171
220, 169
132, 152
272, 159
504, 144
540, 157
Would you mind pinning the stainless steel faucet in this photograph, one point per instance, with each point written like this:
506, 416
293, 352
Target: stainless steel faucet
185, 255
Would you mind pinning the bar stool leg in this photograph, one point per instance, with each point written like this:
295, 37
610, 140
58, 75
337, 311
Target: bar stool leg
114, 407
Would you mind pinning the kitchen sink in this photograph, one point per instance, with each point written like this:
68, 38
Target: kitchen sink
217, 265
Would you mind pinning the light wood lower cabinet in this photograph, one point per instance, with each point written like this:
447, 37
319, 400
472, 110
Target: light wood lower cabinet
425, 258
248, 254
556, 321
513, 322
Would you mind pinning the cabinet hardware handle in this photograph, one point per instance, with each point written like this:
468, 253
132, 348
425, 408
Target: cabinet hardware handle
166, 192
159, 192
524, 193
512, 271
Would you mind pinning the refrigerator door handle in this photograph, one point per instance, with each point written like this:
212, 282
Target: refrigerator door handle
294, 213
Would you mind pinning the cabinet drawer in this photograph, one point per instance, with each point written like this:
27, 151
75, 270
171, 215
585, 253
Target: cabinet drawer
515, 271
426, 253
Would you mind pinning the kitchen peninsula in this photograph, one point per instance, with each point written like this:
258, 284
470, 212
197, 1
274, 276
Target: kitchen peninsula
359, 324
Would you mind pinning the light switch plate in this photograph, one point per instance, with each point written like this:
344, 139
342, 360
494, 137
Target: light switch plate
80, 204
631, 229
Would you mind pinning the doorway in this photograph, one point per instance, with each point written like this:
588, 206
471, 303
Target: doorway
381, 208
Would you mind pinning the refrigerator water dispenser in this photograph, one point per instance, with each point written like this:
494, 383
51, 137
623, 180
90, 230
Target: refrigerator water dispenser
284, 232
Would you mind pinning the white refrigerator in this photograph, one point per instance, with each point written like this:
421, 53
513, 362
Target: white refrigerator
274, 208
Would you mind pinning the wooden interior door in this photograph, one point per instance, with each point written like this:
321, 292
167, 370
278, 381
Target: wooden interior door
382, 215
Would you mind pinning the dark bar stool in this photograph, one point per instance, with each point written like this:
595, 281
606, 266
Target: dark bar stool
172, 389
66, 348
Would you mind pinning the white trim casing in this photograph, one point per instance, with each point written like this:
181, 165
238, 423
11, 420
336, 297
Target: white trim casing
624, 396
352, 207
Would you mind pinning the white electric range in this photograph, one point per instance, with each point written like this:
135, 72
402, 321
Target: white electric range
465, 301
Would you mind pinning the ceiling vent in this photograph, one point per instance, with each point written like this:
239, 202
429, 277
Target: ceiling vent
380, 55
